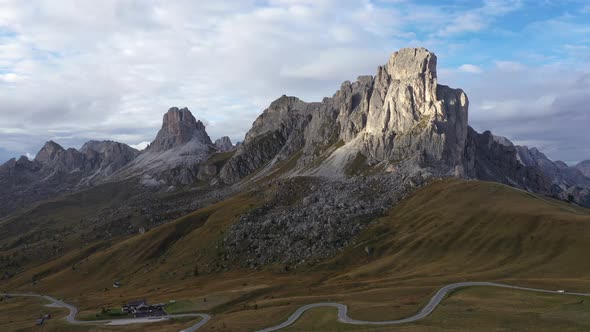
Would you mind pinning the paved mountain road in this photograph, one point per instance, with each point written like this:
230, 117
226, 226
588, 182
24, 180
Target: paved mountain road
73, 311
427, 310
342, 309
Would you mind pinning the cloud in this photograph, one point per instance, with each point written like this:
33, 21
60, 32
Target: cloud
109, 70
10, 78
509, 66
469, 68
73, 71
541, 106
479, 18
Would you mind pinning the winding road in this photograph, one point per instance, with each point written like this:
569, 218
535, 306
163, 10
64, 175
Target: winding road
71, 317
427, 310
342, 309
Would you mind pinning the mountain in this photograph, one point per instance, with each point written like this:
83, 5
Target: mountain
399, 124
173, 157
180, 129
378, 179
56, 170
401, 120
584, 167
567, 183
177, 156
381, 186
493, 158
224, 144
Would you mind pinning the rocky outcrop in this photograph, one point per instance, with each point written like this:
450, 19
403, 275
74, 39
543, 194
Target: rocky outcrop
400, 115
179, 127
224, 144
411, 116
49, 152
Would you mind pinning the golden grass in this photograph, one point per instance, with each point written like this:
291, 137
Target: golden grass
446, 232
476, 309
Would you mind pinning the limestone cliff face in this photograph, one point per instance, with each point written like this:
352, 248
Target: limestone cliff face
400, 115
411, 116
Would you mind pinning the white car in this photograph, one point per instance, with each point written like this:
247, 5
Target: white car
561, 291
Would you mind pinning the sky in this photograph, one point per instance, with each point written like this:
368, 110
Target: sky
74, 70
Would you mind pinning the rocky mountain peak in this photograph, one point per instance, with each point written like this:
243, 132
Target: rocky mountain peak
400, 114
409, 63
409, 114
179, 127
49, 152
224, 144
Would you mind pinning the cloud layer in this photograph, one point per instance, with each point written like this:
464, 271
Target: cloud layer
78, 70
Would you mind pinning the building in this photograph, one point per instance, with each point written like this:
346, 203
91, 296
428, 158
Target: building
140, 308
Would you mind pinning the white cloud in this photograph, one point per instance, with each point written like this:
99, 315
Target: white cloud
10, 78
111, 69
477, 19
469, 68
543, 106
510, 66
79, 70
467, 22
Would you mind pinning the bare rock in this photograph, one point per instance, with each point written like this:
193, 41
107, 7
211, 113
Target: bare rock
224, 144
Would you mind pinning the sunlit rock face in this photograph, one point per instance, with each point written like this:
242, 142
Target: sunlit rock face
399, 115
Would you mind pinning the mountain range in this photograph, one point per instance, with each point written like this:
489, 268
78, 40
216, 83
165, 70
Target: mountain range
374, 197
399, 123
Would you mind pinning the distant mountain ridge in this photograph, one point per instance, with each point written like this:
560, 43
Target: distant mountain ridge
584, 167
171, 159
56, 170
399, 123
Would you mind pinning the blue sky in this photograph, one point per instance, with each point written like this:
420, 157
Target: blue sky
71, 71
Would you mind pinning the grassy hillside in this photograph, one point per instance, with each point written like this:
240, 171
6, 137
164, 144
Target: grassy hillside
457, 227
476, 309
446, 232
